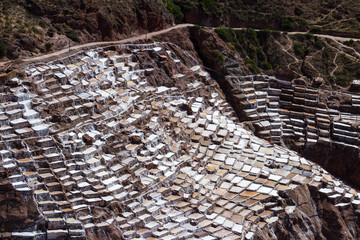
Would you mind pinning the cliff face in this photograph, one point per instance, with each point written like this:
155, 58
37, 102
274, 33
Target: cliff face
18, 210
312, 216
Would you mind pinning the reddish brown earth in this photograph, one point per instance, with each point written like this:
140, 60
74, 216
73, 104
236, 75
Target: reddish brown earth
91, 21
18, 211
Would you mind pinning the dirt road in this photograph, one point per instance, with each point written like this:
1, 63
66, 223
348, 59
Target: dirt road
97, 44
143, 37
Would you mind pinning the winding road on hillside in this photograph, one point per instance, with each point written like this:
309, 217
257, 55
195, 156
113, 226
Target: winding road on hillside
143, 37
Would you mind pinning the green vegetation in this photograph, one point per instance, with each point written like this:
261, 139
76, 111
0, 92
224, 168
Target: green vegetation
226, 34
35, 30
3, 49
48, 46
218, 56
299, 49
319, 44
343, 79
42, 24
264, 50
72, 35
276, 14
315, 29
51, 32
210, 7
65, 26
288, 24
303, 22
174, 10
250, 45
349, 43
266, 65
187, 5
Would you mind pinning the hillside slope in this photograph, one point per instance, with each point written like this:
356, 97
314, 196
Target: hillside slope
29, 27
327, 16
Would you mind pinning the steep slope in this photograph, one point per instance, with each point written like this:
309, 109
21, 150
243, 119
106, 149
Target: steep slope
336, 16
229, 62
30, 27
137, 141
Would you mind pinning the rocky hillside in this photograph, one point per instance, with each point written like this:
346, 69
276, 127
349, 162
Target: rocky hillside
305, 57
336, 16
30, 27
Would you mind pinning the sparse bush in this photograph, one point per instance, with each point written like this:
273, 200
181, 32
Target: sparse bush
72, 35
252, 51
35, 30
315, 29
309, 36
344, 80
300, 37
187, 5
288, 24
303, 22
349, 42
319, 44
226, 34
3, 49
174, 10
210, 7
251, 34
261, 56
218, 56
42, 24
254, 69
249, 61
51, 32
298, 49
251, 64
66, 26
266, 65
48, 46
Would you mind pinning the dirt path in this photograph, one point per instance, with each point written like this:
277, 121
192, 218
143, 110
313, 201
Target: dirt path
143, 37
336, 66
331, 12
98, 44
286, 50
341, 39
347, 47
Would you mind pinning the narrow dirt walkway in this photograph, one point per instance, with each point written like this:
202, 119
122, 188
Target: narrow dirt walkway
336, 66
149, 35
98, 44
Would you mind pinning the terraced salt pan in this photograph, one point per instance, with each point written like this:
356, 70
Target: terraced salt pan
194, 173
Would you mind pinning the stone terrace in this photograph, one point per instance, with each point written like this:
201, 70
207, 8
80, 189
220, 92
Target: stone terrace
101, 148
281, 111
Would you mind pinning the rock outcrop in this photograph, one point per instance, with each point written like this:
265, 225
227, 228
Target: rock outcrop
18, 210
